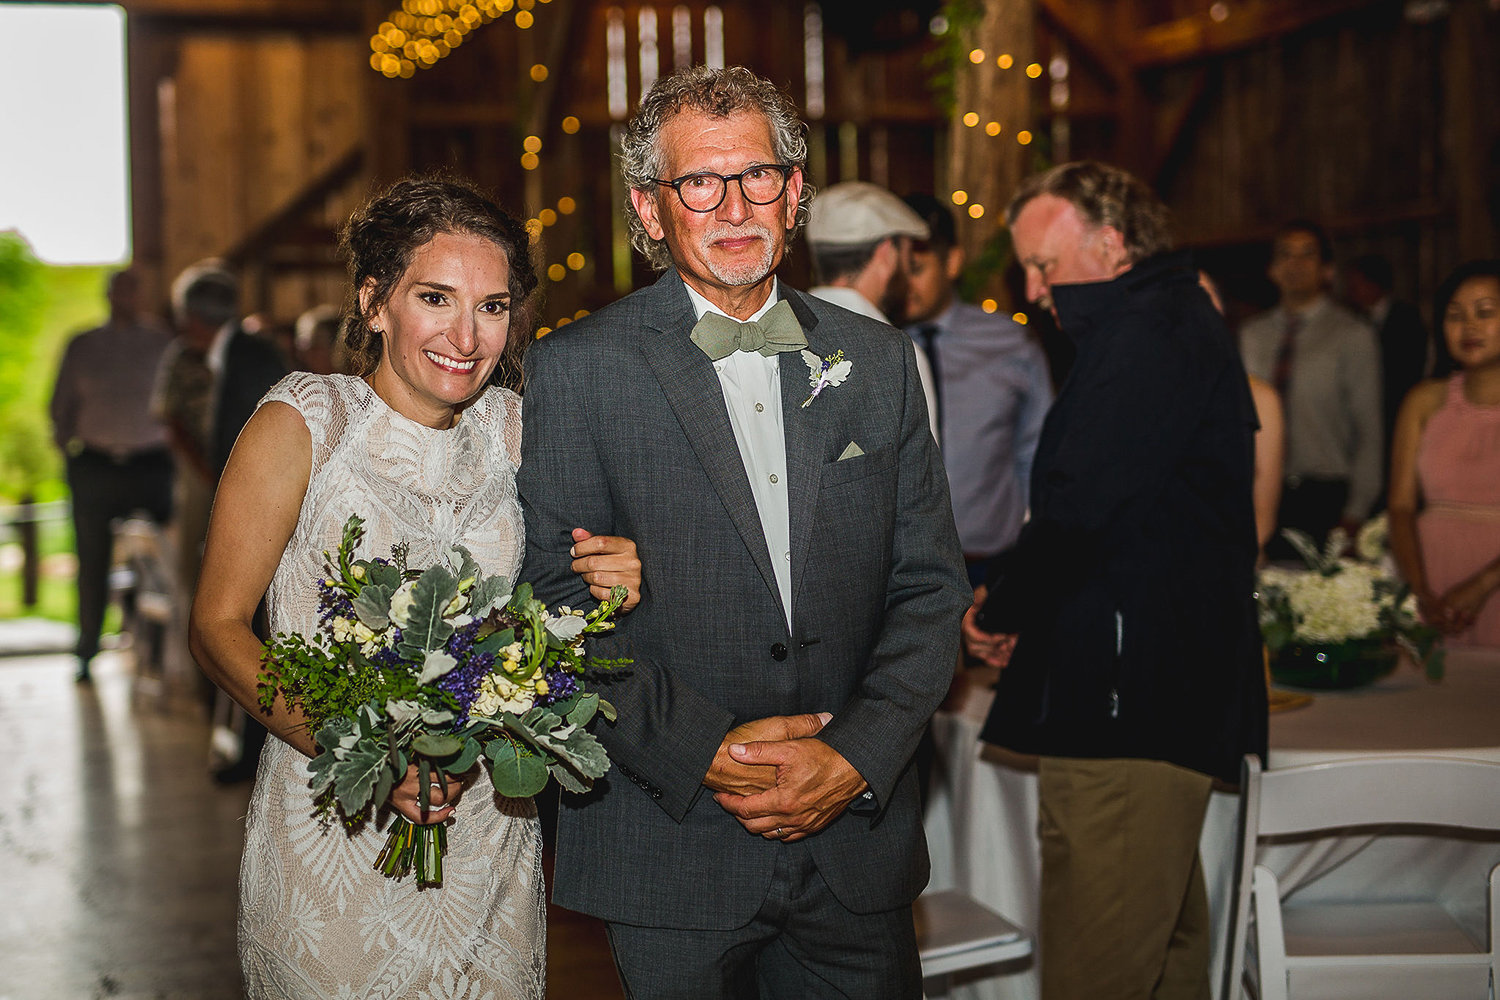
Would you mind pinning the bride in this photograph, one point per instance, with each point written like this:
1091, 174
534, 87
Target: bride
424, 447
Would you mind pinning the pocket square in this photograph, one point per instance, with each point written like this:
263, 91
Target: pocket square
853, 451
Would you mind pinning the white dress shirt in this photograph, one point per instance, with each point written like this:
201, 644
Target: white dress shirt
752, 394
842, 295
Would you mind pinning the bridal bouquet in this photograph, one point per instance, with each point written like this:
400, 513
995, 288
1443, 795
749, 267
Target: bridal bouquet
442, 667
1342, 620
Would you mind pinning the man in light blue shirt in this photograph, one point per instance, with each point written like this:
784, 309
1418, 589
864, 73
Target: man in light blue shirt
993, 392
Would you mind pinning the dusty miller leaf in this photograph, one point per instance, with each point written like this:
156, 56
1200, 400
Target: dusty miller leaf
373, 606
425, 627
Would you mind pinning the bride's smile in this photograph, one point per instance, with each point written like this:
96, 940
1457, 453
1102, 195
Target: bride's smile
444, 328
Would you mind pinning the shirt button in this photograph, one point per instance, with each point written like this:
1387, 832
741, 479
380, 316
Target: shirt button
778, 652
774, 480
760, 407
787, 556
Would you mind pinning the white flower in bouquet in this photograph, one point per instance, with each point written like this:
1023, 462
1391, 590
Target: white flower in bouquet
401, 602
1336, 608
498, 693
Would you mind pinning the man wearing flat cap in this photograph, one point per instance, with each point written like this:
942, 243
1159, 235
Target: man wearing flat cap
759, 832
861, 238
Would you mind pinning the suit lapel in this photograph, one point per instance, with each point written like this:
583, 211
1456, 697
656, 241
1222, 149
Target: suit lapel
805, 430
692, 388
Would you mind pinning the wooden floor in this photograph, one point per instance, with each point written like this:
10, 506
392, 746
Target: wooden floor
119, 858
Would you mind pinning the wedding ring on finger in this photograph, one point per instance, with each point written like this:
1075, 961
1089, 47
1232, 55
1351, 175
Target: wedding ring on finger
778, 834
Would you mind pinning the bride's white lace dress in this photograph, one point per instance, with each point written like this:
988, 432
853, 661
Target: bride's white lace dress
316, 921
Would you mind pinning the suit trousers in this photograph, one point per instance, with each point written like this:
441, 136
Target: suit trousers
1124, 906
104, 489
801, 945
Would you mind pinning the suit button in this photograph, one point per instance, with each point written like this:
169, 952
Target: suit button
778, 652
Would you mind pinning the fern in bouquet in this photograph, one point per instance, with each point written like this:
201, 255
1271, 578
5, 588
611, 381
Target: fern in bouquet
442, 667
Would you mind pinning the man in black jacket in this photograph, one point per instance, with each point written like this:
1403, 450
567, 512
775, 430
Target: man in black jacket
1124, 613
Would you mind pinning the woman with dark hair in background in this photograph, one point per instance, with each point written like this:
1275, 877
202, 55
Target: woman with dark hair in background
423, 442
1447, 452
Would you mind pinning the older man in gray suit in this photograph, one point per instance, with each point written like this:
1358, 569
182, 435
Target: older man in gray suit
769, 453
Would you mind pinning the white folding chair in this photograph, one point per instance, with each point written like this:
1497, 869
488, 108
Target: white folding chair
1359, 948
955, 932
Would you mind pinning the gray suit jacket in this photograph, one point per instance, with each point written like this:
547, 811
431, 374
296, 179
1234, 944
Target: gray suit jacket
626, 433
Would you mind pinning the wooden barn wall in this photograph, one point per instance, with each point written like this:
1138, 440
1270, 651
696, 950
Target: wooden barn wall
1384, 131
244, 121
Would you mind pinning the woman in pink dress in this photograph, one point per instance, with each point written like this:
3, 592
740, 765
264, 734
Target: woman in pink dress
1447, 453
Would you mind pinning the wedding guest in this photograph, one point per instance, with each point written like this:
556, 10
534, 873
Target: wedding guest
118, 461
992, 391
182, 401
1324, 363
316, 345
424, 447
1270, 439
806, 582
1404, 345
1445, 468
1138, 556
861, 237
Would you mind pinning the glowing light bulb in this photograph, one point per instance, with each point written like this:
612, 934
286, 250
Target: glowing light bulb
960, 197
989, 305
971, 119
570, 125
557, 272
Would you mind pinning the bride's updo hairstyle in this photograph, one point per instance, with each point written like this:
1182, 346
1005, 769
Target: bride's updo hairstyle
381, 238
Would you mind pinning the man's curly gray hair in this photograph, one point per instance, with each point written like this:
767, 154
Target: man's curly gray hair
716, 92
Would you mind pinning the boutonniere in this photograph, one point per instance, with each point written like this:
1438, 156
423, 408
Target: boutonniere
823, 372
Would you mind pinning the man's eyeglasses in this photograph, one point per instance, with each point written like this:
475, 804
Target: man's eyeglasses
760, 184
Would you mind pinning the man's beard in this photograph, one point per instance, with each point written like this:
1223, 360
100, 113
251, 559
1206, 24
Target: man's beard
742, 272
893, 302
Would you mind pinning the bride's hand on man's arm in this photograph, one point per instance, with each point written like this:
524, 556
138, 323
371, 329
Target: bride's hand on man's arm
606, 562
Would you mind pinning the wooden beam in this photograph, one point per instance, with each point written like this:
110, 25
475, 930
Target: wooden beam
1086, 37
267, 234
1247, 25
1181, 123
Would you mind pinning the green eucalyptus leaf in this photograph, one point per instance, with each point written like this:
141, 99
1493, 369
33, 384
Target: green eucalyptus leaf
496, 641
515, 773
383, 575
465, 760
436, 745
583, 711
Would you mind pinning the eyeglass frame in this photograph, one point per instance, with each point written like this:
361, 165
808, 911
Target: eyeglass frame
785, 169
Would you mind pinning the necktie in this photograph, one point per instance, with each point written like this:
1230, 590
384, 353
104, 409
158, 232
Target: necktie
718, 336
1281, 373
928, 333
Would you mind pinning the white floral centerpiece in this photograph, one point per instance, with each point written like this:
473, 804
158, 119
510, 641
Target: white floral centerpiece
1343, 620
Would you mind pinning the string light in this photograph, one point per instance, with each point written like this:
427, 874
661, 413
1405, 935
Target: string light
976, 56
547, 216
530, 161
1024, 138
534, 229
580, 314
532, 144
575, 261
959, 197
1005, 61
1034, 70
993, 128
971, 119
543, 332
1021, 318
989, 305
557, 272
567, 206
570, 125
976, 211
421, 32
563, 321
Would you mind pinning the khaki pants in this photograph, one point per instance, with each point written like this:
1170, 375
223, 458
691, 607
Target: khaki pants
1124, 906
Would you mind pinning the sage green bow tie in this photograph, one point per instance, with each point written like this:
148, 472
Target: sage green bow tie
718, 336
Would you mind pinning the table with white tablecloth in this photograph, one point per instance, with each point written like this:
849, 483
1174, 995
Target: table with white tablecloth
982, 810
